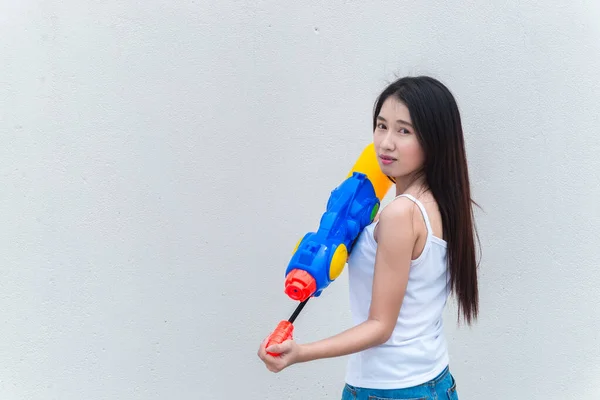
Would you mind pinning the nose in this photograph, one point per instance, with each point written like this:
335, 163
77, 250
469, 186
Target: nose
387, 142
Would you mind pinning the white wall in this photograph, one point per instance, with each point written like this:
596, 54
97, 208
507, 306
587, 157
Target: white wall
153, 188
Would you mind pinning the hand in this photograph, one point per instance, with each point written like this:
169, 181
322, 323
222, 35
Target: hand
289, 352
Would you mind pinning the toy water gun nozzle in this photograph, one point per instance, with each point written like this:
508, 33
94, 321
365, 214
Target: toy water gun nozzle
300, 285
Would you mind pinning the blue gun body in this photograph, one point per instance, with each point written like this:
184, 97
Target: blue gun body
322, 254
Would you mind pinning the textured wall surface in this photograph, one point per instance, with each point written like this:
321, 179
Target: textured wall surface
160, 160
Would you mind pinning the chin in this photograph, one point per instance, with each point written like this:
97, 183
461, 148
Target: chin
388, 170
391, 172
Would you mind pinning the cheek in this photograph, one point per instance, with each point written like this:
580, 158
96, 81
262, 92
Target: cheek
412, 152
377, 139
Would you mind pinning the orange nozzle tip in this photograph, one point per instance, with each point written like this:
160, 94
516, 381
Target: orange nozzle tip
299, 285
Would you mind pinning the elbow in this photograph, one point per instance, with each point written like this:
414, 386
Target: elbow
384, 337
383, 332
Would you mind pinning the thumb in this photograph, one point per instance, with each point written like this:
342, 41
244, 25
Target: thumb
279, 347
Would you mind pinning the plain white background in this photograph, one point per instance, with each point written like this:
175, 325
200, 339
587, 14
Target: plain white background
160, 159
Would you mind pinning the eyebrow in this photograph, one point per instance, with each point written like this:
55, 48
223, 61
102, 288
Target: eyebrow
398, 120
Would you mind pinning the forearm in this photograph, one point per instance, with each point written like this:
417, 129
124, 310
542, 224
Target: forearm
368, 334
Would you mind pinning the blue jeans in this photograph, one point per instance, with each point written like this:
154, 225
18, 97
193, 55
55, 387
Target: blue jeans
442, 387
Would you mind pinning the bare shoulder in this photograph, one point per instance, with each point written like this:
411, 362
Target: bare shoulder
400, 210
395, 220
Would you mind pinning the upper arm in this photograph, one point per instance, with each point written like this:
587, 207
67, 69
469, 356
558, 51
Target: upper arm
395, 241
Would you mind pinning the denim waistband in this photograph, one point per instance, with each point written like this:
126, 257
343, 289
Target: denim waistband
441, 376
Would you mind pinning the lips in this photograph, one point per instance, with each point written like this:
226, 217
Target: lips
386, 160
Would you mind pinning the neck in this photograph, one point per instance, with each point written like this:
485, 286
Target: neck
409, 183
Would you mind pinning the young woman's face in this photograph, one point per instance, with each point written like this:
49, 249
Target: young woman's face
398, 149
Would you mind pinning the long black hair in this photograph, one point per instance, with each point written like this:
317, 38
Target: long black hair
436, 119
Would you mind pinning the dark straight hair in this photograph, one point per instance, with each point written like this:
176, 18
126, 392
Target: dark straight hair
436, 119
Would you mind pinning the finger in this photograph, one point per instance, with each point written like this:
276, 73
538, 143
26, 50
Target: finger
260, 351
273, 368
261, 348
264, 342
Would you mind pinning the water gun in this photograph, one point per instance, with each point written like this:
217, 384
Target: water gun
319, 257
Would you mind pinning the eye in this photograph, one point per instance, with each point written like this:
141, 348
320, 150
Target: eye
404, 131
381, 126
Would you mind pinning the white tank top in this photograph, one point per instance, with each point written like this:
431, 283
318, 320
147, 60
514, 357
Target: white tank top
417, 350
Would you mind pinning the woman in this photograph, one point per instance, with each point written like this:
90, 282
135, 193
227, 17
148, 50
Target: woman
406, 263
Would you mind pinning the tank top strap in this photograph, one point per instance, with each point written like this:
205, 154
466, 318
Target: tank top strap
423, 212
